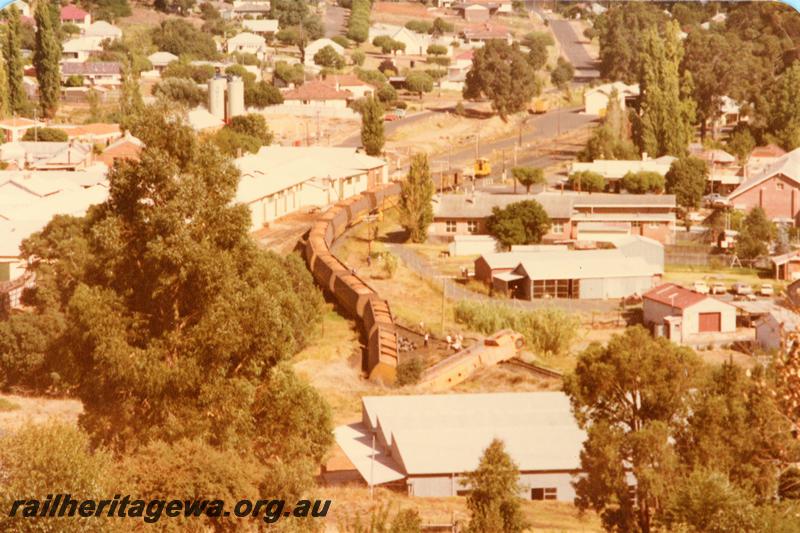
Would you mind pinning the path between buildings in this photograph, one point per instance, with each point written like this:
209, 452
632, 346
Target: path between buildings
454, 291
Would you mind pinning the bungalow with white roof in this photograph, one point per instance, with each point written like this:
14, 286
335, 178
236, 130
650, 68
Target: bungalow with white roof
247, 43
279, 180
104, 30
426, 444
161, 59
595, 100
265, 27
613, 170
80, 48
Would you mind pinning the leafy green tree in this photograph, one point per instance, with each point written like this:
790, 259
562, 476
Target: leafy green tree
12, 51
182, 68
784, 118
387, 94
643, 182
493, 500
441, 26
419, 26
46, 58
756, 234
524, 222
537, 43
180, 90
131, 104
358, 25
416, 193
501, 73
76, 80
436, 50
235, 144
358, 57
666, 109
288, 12
289, 73
686, 179
741, 144
4, 104
707, 501
46, 135
610, 140
328, 57
419, 82
587, 180
174, 317
410, 371
254, 125
738, 429
628, 395
52, 458
528, 176
372, 127
262, 94
179, 37
622, 35
109, 10
562, 74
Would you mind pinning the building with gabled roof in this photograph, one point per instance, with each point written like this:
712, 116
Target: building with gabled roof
776, 189
595, 99
108, 73
14, 128
688, 317
103, 29
127, 147
72, 14
425, 444
161, 59
317, 93
261, 26
772, 328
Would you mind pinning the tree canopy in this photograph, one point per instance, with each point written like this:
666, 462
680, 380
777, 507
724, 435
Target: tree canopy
45, 135
47, 56
643, 182
501, 73
587, 181
372, 127
756, 234
180, 37
524, 222
528, 176
416, 193
686, 179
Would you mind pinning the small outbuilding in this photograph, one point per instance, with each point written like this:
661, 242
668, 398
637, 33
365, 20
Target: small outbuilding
772, 328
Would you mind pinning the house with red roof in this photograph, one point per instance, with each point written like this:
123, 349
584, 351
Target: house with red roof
351, 83
72, 14
776, 190
688, 317
761, 157
318, 93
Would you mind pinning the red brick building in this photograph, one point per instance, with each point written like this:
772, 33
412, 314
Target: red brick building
776, 189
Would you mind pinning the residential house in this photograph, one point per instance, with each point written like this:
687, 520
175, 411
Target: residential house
613, 170
96, 133
13, 129
80, 48
773, 327
127, 147
317, 93
595, 100
457, 71
104, 30
724, 173
415, 43
489, 265
761, 157
160, 60
351, 83
426, 444
279, 180
776, 189
573, 216
688, 317
315, 46
475, 13
478, 34
72, 14
250, 8
264, 27
247, 43
107, 73
47, 155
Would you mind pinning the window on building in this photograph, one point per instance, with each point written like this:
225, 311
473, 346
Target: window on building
450, 226
549, 493
558, 227
472, 226
463, 492
780, 186
654, 225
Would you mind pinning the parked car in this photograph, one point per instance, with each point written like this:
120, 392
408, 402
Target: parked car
700, 287
766, 289
716, 200
742, 289
718, 288
389, 117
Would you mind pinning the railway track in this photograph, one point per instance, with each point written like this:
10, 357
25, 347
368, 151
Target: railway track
534, 368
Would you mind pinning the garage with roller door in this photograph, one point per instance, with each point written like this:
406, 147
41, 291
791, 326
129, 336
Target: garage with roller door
709, 321
685, 316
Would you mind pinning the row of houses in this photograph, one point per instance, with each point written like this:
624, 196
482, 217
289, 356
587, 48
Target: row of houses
574, 216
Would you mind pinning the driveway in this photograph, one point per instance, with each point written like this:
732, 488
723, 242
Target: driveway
335, 20
572, 47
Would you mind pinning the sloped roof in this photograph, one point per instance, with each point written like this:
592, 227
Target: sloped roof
787, 165
101, 28
480, 205
247, 37
261, 25
770, 150
162, 58
584, 264
316, 90
72, 12
674, 295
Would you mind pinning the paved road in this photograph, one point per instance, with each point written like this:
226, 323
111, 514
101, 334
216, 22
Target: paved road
571, 44
388, 128
335, 20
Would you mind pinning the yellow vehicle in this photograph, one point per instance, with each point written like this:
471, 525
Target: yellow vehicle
482, 167
538, 106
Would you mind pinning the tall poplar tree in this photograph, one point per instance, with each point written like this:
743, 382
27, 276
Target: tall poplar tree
46, 59
17, 99
3, 85
372, 127
417, 189
666, 110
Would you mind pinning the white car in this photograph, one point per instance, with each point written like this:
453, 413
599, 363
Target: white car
718, 288
742, 289
700, 287
766, 289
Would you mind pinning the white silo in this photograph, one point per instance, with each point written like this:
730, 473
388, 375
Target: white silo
216, 97
235, 97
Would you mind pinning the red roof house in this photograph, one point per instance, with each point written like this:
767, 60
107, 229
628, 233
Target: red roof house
72, 14
688, 317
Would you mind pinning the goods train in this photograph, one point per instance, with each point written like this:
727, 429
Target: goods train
351, 292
